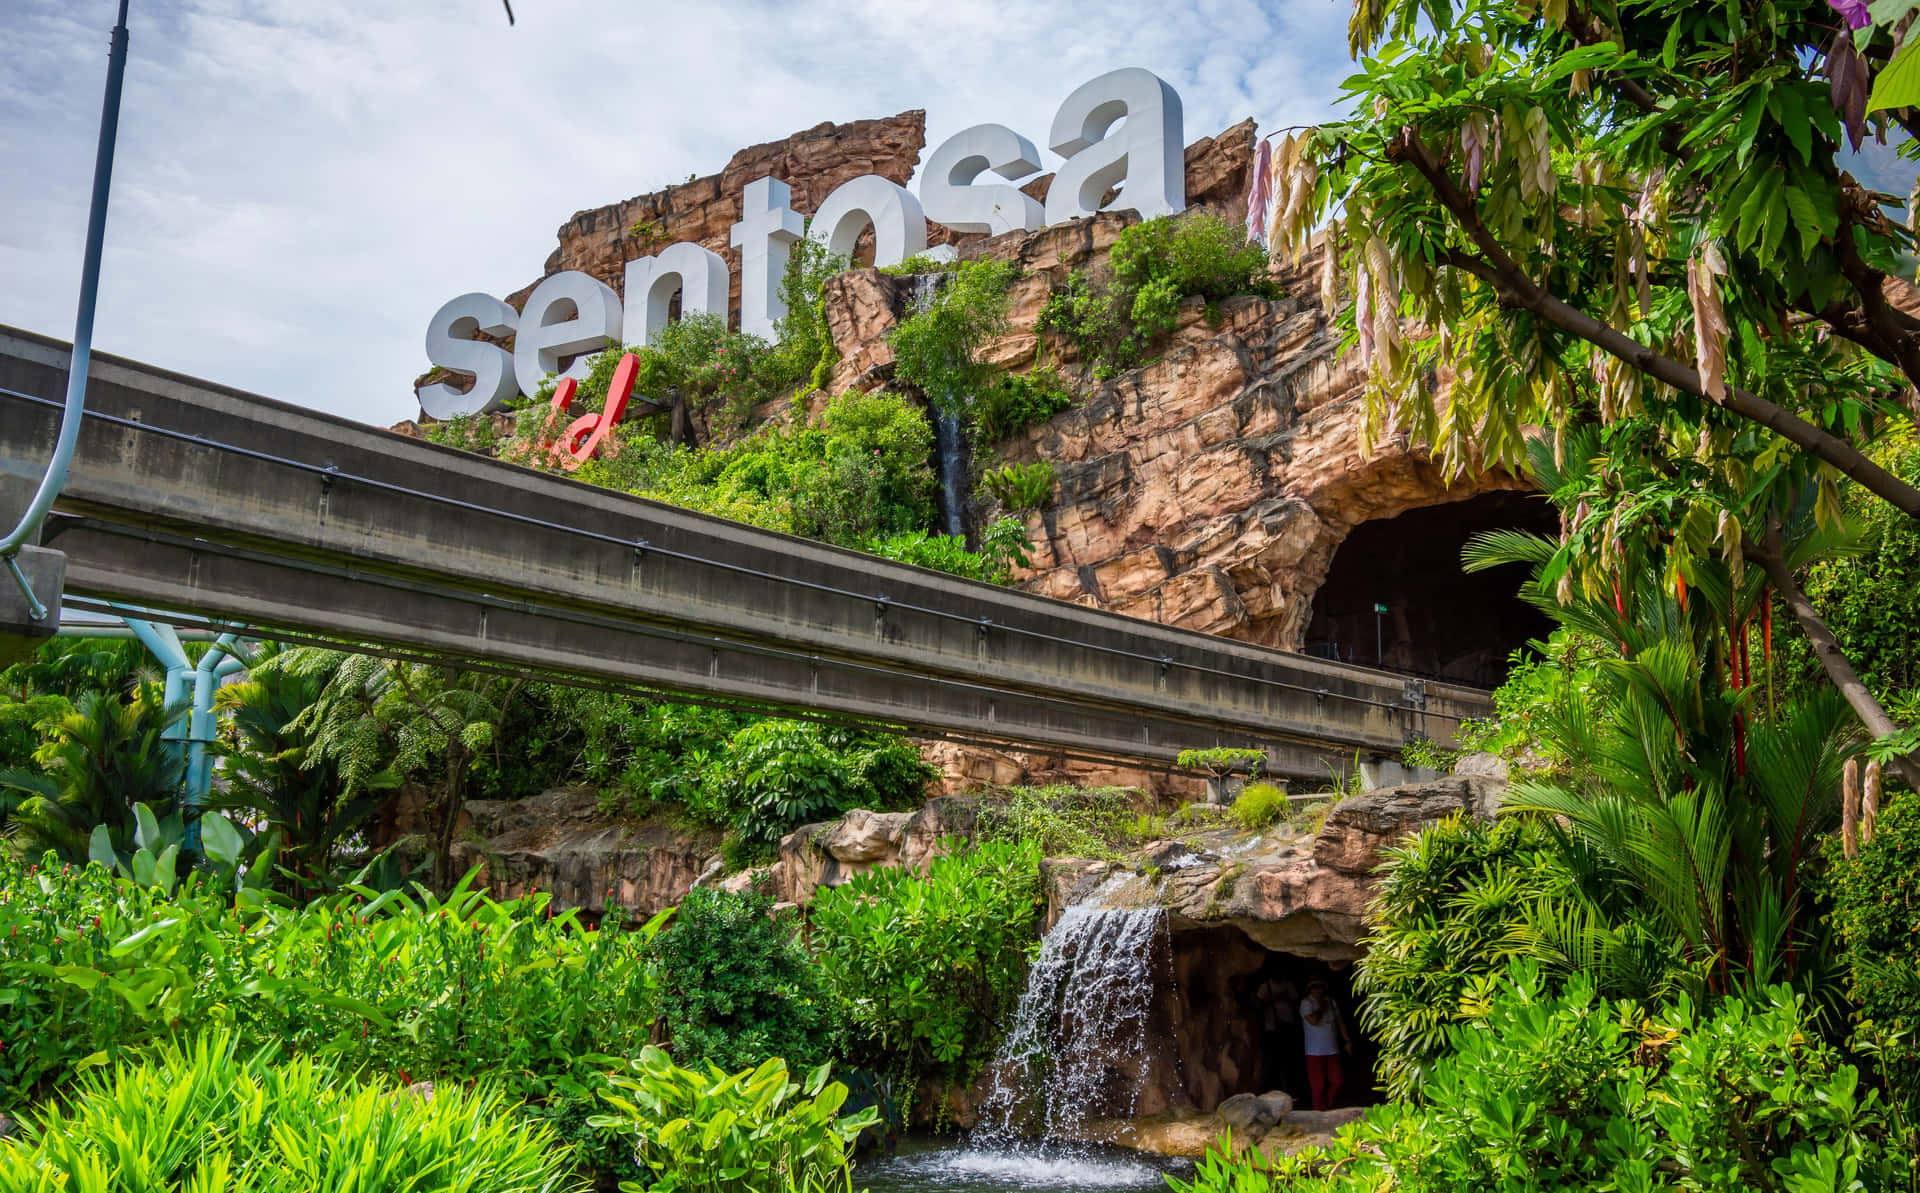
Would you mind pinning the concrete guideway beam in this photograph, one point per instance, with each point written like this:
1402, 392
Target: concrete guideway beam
315, 522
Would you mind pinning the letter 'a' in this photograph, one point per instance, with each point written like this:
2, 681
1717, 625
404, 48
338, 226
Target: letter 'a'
1146, 158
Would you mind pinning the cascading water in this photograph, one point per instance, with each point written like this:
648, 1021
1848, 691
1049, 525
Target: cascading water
949, 441
1079, 1035
1077, 1048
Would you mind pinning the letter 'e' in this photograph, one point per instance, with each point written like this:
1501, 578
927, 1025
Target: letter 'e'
1146, 158
451, 346
568, 314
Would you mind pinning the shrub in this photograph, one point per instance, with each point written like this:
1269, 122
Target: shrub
872, 474
934, 345
745, 1133
469, 432
212, 1116
775, 776
928, 965
1021, 486
1260, 805
1016, 401
740, 989
1003, 546
403, 984
1570, 1092
1876, 907
1062, 821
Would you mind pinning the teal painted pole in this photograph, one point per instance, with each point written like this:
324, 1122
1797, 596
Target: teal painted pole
55, 477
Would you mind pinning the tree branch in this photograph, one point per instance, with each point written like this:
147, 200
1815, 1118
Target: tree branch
1515, 286
1771, 556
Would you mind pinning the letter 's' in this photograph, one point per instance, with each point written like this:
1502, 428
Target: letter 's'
451, 346
949, 197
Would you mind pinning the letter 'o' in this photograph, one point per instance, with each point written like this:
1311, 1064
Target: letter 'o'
451, 346
700, 274
568, 314
1146, 158
950, 198
899, 226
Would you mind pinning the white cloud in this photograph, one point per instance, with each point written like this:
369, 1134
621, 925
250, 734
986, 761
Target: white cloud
299, 186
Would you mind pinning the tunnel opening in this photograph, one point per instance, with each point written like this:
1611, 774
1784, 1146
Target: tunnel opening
1228, 1022
1396, 596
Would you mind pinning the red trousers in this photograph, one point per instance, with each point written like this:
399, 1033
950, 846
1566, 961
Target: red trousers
1324, 1079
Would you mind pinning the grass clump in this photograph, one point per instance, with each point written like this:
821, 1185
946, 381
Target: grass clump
1260, 806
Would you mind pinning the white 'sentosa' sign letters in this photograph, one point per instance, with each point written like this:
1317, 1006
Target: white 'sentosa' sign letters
572, 314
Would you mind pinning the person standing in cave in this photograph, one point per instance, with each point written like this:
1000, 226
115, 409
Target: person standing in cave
1325, 1031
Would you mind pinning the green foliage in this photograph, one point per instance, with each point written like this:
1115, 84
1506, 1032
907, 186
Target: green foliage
1062, 821
272, 776
803, 354
934, 345
1221, 761
401, 983
477, 433
1876, 920
872, 474
1452, 911
1154, 264
1003, 546
214, 1115
1423, 753
743, 990
755, 1131
928, 965
1021, 486
777, 775
97, 764
1012, 402
1260, 806
1571, 1092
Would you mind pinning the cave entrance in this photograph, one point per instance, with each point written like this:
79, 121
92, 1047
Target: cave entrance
1230, 1023
1438, 620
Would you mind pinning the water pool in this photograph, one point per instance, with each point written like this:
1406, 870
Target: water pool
942, 1166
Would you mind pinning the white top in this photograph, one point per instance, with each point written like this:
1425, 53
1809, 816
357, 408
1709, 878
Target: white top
1323, 1038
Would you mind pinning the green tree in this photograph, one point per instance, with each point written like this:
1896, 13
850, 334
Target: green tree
272, 771
378, 720
100, 760
1629, 213
738, 988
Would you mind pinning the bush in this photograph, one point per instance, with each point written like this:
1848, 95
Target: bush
1003, 546
775, 776
211, 1116
418, 988
1016, 401
744, 1133
934, 345
1260, 805
1021, 486
1062, 821
740, 988
1573, 1093
872, 475
928, 965
1876, 908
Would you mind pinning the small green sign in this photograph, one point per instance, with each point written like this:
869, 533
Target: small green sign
1378, 608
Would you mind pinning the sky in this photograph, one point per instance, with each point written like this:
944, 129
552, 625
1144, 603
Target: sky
299, 186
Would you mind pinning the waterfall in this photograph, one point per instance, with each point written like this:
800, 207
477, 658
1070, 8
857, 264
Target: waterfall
1078, 1045
950, 443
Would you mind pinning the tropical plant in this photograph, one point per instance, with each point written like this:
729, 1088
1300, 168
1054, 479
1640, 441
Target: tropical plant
214, 1115
1571, 1092
755, 1131
98, 763
928, 965
871, 474
1003, 546
275, 780
739, 985
1876, 905
377, 720
777, 775
1061, 820
1021, 487
935, 346
1015, 401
